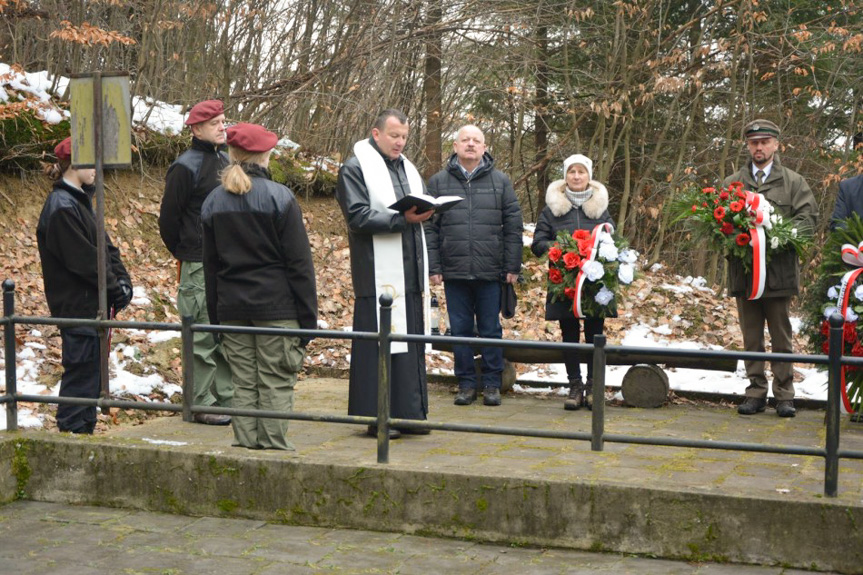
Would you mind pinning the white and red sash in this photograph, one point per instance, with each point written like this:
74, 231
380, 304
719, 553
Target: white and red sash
758, 241
581, 277
853, 256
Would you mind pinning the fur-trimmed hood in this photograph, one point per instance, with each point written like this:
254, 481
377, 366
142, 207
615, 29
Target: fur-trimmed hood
559, 204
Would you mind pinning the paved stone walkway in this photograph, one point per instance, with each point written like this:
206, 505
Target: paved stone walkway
55, 539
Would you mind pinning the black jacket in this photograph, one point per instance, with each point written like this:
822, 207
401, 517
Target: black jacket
480, 237
364, 222
560, 214
257, 258
67, 239
189, 180
849, 201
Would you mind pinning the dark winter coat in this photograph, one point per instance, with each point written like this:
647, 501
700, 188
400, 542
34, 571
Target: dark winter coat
257, 259
480, 237
364, 222
560, 214
849, 201
789, 193
189, 180
67, 240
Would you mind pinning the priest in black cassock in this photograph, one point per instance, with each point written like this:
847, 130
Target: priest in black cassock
388, 255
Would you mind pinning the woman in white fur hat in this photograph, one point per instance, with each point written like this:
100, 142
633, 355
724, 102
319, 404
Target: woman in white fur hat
577, 202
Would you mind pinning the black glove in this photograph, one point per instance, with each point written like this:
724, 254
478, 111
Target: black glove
126, 297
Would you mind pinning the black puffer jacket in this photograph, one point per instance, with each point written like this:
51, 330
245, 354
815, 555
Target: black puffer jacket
189, 180
559, 214
480, 237
67, 239
257, 258
364, 222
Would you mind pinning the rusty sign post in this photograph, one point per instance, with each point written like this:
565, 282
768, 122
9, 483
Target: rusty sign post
101, 138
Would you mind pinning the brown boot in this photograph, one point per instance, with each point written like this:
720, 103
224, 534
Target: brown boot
576, 395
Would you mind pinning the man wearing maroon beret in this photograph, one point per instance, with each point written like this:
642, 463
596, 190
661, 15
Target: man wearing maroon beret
189, 181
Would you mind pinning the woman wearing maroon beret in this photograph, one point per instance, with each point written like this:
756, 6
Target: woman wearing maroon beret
258, 272
67, 239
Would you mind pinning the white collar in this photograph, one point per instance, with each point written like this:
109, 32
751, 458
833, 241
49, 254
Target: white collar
71, 185
766, 169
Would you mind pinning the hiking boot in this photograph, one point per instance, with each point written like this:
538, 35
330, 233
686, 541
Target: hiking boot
491, 396
588, 394
465, 396
576, 395
752, 405
785, 408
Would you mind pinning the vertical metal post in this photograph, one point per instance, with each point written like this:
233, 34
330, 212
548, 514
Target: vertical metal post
10, 357
598, 415
384, 377
100, 232
187, 344
834, 396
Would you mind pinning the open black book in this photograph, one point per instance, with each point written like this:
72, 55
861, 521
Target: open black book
425, 202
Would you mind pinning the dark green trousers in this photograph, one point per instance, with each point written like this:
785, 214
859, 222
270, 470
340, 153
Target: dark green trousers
774, 311
264, 370
212, 374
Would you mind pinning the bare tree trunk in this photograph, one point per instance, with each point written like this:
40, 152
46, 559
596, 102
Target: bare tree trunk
432, 90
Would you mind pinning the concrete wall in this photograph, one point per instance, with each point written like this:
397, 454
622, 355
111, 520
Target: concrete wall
818, 534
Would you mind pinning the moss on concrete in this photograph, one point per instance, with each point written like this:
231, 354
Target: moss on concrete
21, 469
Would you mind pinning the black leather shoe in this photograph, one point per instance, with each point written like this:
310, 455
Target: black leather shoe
752, 405
465, 396
212, 419
491, 396
785, 408
372, 431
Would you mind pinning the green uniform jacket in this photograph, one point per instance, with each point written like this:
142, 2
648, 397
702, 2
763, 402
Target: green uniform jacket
790, 195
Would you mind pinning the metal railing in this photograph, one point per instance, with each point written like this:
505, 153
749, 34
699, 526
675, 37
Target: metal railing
599, 350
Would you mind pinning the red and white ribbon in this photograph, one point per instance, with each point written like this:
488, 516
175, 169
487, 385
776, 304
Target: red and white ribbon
851, 255
581, 277
758, 241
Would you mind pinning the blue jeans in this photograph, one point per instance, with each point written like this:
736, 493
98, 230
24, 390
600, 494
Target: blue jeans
472, 303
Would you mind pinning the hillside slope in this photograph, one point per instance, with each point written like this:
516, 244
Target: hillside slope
673, 307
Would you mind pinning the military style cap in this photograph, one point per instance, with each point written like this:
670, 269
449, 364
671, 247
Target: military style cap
758, 129
203, 111
63, 150
251, 138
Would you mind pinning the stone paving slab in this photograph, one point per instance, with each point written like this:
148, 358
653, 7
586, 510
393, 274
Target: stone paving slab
53, 539
667, 501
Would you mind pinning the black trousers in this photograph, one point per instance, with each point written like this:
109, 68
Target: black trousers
571, 328
81, 358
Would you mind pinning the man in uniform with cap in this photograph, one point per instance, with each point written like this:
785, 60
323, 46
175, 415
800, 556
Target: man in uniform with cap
791, 197
189, 181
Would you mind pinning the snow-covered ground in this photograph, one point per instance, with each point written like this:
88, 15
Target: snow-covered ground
37, 86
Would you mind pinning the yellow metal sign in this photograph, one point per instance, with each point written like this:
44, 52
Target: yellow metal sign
116, 120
